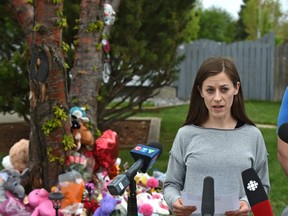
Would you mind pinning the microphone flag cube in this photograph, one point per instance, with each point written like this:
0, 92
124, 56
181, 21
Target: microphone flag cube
253, 187
256, 194
147, 153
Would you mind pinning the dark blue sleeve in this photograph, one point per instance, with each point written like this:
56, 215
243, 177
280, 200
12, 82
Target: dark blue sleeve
283, 112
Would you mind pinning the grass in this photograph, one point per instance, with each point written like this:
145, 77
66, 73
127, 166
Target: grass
261, 112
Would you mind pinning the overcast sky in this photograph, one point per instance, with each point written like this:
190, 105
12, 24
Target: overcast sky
233, 7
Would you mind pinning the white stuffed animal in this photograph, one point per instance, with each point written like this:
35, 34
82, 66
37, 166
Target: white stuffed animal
109, 14
156, 201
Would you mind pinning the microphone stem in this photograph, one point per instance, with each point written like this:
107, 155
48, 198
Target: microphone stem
132, 200
132, 171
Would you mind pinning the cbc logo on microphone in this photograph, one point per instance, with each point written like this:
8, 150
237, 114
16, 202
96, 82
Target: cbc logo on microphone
252, 185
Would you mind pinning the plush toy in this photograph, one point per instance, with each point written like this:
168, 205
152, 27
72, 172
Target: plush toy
141, 182
156, 201
160, 205
82, 135
121, 206
79, 113
152, 184
11, 181
14, 206
107, 205
18, 157
109, 14
146, 209
39, 200
102, 179
141, 179
81, 158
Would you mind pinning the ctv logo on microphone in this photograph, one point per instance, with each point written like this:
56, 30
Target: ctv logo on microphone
145, 150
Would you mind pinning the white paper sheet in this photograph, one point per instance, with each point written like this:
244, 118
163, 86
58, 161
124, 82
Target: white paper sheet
222, 203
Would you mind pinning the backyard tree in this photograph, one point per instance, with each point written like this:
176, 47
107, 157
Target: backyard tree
262, 17
241, 33
143, 55
217, 24
50, 133
13, 97
139, 48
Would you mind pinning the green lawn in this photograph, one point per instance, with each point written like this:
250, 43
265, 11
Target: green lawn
259, 112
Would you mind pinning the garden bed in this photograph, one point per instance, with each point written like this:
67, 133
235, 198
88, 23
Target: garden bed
130, 132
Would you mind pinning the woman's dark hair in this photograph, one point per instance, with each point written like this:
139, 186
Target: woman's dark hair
198, 113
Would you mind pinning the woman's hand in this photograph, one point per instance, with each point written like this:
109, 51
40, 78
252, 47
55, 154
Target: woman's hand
180, 210
244, 210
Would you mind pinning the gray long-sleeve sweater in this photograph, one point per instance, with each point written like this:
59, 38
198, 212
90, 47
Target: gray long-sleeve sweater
198, 152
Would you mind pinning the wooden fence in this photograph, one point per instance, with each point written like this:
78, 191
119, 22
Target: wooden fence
262, 67
281, 71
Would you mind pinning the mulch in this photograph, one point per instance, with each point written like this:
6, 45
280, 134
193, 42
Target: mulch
130, 133
10, 133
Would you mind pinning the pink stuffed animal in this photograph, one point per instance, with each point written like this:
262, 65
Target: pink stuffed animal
146, 209
39, 200
152, 184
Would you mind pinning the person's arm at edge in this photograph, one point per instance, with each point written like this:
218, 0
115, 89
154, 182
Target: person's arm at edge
282, 147
282, 155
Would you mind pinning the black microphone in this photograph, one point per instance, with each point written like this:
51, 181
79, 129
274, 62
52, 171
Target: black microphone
145, 157
283, 132
256, 194
208, 197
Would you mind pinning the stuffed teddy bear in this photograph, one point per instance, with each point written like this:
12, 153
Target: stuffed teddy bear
82, 135
39, 200
81, 158
18, 157
107, 205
